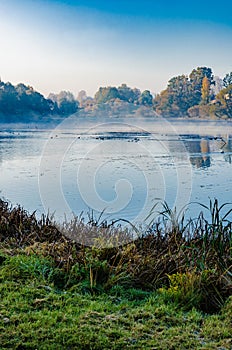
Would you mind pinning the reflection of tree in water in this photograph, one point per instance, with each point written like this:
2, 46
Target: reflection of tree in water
199, 149
205, 151
227, 148
199, 152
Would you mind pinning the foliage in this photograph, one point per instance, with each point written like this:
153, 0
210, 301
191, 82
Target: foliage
157, 291
194, 289
145, 98
197, 95
205, 91
200, 249
129, 95
183, 92
105, 94
227, 80
21, 102
196, 79
125, 94
204, 111
65, 102
192, 96
224, 99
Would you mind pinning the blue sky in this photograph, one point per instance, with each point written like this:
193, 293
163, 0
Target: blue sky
74, 45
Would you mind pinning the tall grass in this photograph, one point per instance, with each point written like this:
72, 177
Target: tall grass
188, 261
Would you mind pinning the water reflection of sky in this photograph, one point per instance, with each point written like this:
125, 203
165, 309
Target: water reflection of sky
129, 172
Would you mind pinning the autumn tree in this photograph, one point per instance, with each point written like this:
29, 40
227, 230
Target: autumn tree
163, 105
205, 91
183, 92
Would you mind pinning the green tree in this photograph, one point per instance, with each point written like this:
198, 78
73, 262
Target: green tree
105, 94
228, 79
176, 99
22, 103
224, 99
127, 94
184, 92
65, 101
179, 88
164, 105
146, 98
196, 77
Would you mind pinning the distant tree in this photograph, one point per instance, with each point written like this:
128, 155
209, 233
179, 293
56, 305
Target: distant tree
227, 80
205, 91
127, 94
179, 88
146, 98
8, 99
66, 102
137, 94
184, 92
82, 97
105, 94
21, 103
31, 100
218, 86
164, 105
196, 77
224, 98
122, 93
176, 99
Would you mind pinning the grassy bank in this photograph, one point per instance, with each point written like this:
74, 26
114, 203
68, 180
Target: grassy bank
169, 289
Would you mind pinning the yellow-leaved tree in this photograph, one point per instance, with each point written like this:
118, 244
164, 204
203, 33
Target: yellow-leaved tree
205, 91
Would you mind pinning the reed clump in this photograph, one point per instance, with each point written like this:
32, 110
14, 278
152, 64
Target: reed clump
187, 261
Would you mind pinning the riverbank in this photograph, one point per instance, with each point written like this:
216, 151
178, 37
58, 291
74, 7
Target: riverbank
168, 289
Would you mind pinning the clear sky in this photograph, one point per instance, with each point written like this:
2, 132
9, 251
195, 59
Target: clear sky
58, 45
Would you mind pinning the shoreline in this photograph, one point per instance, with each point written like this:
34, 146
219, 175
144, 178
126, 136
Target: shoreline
162, 290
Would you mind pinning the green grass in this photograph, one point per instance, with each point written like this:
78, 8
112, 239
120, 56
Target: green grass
169, 289
34, 314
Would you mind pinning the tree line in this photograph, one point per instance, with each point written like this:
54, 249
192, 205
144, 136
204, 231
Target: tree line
197, 95
22, 103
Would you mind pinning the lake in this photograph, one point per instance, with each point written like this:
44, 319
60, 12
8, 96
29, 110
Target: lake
123, 167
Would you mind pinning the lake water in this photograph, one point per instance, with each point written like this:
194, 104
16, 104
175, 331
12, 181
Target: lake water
124, 167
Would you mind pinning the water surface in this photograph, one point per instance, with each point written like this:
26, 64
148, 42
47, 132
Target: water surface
123, 167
